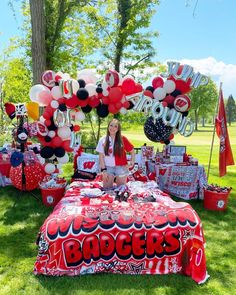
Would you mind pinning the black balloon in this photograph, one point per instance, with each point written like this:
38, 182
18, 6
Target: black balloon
185, 114
157, 131
81, 83
86, 109
47, 138
62, 107
99, 89
82, 94
175, 93
59, 152
102, 110
150, 88
47, 152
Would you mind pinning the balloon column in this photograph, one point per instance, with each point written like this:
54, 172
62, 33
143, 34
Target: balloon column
66, 100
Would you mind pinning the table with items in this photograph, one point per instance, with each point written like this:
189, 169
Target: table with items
183, 181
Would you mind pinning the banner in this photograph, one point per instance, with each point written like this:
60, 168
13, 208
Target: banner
225, 152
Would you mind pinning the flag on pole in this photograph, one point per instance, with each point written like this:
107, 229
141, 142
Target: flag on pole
225, 152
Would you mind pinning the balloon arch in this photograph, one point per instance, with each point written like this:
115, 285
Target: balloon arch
65, 102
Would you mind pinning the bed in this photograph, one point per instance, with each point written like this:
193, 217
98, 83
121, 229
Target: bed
134, 229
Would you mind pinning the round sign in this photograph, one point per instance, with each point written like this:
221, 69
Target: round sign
182, 103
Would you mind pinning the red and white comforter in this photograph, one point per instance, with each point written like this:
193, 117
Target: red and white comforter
91, 232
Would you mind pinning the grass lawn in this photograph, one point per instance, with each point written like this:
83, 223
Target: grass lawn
22, 215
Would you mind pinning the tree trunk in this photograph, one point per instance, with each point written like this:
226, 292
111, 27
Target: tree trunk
196, 119
38, 47
203, 122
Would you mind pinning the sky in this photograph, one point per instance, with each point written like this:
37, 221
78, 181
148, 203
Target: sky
203, 36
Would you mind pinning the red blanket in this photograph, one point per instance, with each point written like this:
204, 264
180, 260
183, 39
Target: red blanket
91, 231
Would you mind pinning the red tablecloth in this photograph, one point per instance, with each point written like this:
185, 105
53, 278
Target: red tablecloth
5, 167
87, 234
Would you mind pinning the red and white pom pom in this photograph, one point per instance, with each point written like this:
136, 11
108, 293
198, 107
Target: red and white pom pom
112, 78
182, 103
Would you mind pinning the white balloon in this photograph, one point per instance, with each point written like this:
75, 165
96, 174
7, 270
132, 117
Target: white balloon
91, 88
66, 76
64, 132
51, 133
159, 93
88, 75
49, 168
169, 86
79, 116
63, 159
35, 90
56, 92
54, 104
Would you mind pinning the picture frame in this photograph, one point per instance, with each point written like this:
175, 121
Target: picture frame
177, 150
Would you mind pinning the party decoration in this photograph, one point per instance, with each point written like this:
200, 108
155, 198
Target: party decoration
156, 131
33, 174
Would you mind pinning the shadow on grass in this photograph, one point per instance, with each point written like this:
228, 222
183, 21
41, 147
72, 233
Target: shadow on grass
22, 205
110, 283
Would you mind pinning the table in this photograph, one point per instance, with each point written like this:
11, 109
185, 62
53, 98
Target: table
185, 182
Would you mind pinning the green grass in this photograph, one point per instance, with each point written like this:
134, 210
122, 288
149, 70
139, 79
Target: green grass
22, 215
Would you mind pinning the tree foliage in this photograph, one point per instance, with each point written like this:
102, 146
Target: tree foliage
231, 110
126, 41
203, 101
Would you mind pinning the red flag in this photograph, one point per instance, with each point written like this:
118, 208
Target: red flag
225, 156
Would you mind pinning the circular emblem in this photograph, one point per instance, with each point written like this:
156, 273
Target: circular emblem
220, 204
182, 103
50, 199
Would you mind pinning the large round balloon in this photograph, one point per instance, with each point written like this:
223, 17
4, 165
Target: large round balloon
156, 131
33, 175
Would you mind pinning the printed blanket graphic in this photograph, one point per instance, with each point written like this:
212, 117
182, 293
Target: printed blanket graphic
161, 237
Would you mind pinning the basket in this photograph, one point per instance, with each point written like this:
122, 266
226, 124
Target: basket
215, 201
51, 196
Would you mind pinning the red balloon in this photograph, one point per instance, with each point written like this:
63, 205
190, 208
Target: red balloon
181, 85
48, 123
171, 136
157, 82
34, 174
66, 146
128, 86
76, 128
115, 94
118, 105
169, 99
112, 109
139, 88
56, 141
61, 100
83, 103
105, 100
72, 102
94, 101
148, 93
47, 115
126, 104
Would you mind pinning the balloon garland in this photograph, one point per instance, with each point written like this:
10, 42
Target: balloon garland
65, 102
